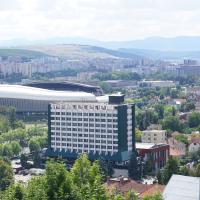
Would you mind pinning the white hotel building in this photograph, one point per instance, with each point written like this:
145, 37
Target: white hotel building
100, 129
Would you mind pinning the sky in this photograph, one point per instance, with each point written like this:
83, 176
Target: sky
105, 20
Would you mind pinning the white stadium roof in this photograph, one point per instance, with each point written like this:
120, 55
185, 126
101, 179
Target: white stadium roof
25, 92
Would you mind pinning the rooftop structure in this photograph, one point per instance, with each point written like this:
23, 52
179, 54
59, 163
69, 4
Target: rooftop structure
67, 86
182, 188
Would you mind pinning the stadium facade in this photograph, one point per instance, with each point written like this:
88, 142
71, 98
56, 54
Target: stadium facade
30, 99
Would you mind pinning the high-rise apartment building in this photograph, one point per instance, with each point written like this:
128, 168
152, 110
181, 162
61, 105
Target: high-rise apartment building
99, 129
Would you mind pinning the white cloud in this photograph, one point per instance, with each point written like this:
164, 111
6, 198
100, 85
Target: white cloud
99, 19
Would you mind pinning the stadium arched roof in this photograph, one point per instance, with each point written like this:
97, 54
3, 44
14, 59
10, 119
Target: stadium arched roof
26, 92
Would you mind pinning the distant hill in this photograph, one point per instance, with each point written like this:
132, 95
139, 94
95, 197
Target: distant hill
75, 51
181, 43
21, 52
167, 55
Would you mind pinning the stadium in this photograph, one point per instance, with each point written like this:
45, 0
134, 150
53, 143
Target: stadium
32, 99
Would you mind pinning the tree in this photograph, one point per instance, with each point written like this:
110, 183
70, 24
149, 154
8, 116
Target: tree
37, 189
59, 182
23, 160
194, 119
148, 166
131, 196
138, 135
188, 106
159, 177
4, 124
172, 167
133, 167
182, 138
7, 150
34, 145
82, 171
6, 175
16, 148
197, 170
106, 167
184, 171
171, 123
157, 196
159, 108
14, 192
12, 117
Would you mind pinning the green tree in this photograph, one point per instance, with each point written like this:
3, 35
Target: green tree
59, 182
23, 160
157, 196
197, 170
159, 177
182, 138
159, 108
4, 124
133, 167
37, 189
12, 117
16, 148
106, 167
7, 150
6, 175
131, 196
138, 135
172, 123
184, 171
14, 192
194, 119
34, 145
172, 167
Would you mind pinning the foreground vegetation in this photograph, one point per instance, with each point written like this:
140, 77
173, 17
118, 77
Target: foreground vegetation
83, 182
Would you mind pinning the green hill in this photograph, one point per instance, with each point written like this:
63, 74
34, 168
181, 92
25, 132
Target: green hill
21, 52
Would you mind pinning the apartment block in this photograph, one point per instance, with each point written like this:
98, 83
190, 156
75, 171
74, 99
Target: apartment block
154, 136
